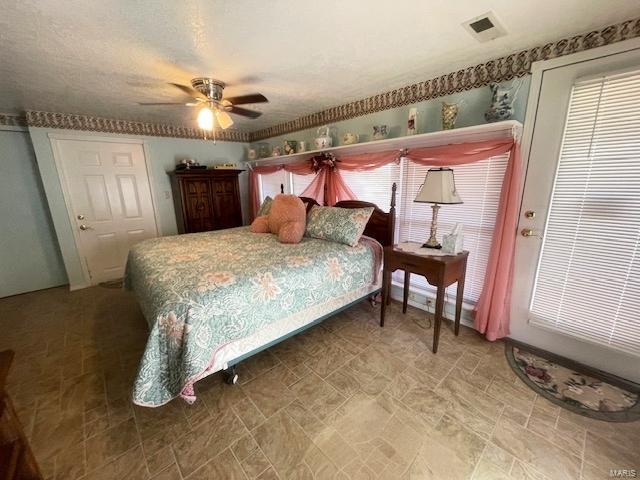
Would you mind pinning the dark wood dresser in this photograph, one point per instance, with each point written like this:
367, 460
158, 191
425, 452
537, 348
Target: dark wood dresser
206, 199
16, 459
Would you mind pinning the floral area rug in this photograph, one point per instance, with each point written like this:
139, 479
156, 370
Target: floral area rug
573, 390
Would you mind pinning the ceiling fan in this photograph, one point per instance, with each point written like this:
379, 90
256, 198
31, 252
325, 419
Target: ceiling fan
207, 93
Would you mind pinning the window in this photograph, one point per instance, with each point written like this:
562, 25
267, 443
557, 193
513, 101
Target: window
374, 185
300, 182
588, 279
479, 185
270, 184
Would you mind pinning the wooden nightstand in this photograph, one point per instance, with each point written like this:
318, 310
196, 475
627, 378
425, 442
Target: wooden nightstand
440, 271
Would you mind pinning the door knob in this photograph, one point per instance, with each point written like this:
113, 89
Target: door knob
80, 217
526, 232
84, 227
530, 214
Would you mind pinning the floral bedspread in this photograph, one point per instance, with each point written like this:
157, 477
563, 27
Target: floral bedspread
201, 291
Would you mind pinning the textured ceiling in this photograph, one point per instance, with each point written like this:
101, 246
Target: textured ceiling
101, 57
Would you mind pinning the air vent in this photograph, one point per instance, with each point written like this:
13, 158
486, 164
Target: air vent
484, 27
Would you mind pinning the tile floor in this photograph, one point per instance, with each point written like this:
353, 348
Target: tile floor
343, 400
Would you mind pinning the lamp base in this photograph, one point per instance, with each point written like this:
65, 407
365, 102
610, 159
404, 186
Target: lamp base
437, 246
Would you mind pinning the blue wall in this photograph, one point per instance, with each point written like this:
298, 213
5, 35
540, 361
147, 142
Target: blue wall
37, 247
29, 255
476, 102
163, 154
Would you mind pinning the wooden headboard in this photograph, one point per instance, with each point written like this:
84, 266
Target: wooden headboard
380, 226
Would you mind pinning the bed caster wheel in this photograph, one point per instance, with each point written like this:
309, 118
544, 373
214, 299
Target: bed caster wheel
375, 299
230, 376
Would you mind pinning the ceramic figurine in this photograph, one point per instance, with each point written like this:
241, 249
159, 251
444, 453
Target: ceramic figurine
380, 132
502, 99
412, 122
290, 147
262, 149
276, 152
324, 139
449, 115
350, 138
302, 146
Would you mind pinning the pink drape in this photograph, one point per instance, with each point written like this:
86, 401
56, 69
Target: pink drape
492, 310
328, 188
254, 188
300, 168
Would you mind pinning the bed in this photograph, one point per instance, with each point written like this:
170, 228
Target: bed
213, 299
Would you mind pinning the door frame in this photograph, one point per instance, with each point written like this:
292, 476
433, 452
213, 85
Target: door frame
538, 69
54, 138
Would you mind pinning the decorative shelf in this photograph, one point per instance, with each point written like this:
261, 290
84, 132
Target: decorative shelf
476, 133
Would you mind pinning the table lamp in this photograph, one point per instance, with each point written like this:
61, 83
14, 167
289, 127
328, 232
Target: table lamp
439, 187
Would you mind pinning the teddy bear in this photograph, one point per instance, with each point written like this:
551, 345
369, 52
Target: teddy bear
287, 219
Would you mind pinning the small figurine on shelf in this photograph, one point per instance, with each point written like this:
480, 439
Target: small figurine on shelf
412, 122
350, 138
263, 149
276, 152
290, 147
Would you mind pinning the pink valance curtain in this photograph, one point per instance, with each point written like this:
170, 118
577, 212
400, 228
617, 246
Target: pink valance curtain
300, 168
492, 310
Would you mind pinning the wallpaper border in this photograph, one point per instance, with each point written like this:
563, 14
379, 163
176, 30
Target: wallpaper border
497, 70
9, 120
127, 127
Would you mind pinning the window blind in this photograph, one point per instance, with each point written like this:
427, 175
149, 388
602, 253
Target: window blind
373, 185
479, 185
588, 279
300, 182
270, 184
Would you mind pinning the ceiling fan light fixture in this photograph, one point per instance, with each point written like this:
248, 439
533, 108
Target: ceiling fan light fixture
205, 119
224, 119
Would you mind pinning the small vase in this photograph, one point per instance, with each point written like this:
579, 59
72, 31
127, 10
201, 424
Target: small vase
502, 99
449, 115
380, 132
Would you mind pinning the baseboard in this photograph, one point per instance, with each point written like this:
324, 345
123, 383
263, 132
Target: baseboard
421, 303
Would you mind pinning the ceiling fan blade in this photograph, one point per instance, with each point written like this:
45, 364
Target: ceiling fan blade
244, 99
169, 103
224, 119
188, 90
245, 112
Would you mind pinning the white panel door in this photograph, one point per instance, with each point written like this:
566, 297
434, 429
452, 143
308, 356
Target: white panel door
107, 190
547, 176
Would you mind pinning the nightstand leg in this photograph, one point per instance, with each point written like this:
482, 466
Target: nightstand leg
459, 298
405, 299
386, 290
438, 318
